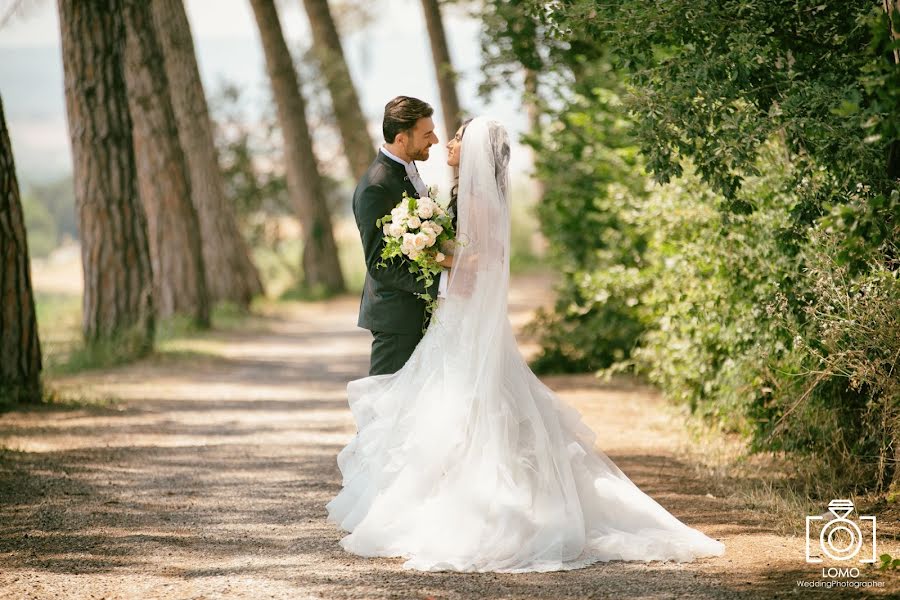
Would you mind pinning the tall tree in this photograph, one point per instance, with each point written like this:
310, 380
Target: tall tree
20, 348
446, 75
118, 301
511, 36
532, 109
321, 268
330, 54
179, 278
892, 9
230, 274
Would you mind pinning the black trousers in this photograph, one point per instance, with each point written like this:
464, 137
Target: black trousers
390, 351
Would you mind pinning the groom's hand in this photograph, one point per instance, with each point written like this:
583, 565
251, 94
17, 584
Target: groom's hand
463, 284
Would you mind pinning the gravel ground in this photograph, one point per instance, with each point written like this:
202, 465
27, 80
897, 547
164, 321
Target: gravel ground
208, 474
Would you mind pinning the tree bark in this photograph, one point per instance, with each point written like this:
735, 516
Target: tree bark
118, 302
179, 278
534, 124
321, 268
352, 124
443, 66
892, 8
20, 348
230, 274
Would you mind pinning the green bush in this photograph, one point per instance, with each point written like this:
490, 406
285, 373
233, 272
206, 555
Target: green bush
592, 178
844, 405
710, 277
724, 204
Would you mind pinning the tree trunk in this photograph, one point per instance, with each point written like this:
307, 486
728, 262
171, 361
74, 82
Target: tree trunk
892, 8
321, 269
446, 76
230, 274
179, 278
534, 123
357, 144
20, 349
118, 301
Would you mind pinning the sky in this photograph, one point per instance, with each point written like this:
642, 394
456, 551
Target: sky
388, 57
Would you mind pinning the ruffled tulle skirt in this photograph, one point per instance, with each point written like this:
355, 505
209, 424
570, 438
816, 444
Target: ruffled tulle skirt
489, 472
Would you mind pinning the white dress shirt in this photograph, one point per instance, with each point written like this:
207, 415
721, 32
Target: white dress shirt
420, 186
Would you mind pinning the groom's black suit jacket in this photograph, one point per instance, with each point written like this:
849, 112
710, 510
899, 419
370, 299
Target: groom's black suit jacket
388, 302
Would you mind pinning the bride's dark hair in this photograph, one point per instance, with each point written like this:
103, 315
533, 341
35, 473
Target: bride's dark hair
500, 144
454, 191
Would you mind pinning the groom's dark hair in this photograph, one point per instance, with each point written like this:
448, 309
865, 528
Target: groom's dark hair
401, 114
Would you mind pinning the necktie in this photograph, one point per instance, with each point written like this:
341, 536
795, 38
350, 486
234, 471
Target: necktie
416, 179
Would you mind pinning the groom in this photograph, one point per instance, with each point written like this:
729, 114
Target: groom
389, 307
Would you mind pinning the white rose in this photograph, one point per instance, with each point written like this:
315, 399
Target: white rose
413, 222
398, 213
426, 208
432, 237
414, 254
397, 229
408, 243
437, 229
420, 240
387, 229
439, 256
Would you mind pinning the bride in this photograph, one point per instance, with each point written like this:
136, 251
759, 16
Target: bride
463, 460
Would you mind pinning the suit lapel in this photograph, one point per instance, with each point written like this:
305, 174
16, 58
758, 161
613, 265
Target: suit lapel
410, 188
399, 172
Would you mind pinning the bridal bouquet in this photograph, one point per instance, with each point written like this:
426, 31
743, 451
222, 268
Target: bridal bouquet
419, 231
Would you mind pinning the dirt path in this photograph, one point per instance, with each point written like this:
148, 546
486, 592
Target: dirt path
209, 475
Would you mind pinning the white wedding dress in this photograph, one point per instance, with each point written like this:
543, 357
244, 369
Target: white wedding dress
463, 460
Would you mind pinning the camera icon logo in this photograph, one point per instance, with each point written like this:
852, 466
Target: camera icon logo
840, 538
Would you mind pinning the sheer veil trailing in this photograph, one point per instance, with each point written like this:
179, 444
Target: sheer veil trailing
463, 459
475, 310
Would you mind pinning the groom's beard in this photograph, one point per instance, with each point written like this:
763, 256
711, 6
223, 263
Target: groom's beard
420, 154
